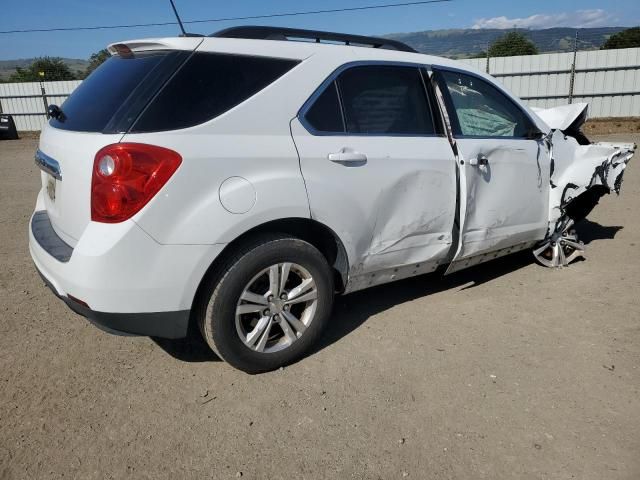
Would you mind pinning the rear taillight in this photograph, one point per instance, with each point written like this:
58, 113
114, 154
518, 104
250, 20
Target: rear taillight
126, 176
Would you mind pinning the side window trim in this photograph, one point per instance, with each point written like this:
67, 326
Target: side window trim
448, 102
343, 118
332, 79
434, 108
453, 114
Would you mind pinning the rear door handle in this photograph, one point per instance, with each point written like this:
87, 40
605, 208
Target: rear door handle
479, 161
347, 156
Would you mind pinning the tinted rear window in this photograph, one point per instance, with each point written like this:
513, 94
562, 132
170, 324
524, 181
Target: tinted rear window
117, 86
208, 85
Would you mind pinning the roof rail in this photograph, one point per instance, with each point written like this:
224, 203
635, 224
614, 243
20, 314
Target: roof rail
280, 33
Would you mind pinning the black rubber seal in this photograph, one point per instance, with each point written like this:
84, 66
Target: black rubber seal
48, 239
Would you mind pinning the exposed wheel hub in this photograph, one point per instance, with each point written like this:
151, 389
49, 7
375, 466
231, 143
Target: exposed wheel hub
562, 248
276, 306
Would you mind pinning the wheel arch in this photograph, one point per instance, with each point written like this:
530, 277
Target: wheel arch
312, 231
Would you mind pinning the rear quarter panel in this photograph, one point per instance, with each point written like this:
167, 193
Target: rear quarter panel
188, 210
252, 141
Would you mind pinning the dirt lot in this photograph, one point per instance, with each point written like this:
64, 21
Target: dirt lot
609, 126
508, 370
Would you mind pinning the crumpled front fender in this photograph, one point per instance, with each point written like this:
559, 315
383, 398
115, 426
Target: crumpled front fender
580, 168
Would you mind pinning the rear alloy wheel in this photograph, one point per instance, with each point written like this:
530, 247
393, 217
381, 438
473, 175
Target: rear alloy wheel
562, 248
270, 304
276, 307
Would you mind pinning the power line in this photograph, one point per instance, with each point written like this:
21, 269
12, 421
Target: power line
212, 20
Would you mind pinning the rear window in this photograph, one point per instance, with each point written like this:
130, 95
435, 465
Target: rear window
115, 93
165, 90
208, 85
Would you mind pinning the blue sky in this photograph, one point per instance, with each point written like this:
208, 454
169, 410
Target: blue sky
456, 14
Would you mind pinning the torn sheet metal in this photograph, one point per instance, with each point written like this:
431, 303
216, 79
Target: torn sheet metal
582, 172
562, 118
577, 168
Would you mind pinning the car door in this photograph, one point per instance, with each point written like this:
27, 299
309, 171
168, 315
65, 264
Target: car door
504, 167
379, 170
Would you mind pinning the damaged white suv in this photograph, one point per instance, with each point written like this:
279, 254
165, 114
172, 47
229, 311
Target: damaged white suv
237, 182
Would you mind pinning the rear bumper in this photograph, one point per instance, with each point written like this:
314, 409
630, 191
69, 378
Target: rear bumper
124, 280
159, 324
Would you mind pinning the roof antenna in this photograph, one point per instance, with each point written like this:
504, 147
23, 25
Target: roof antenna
184, 34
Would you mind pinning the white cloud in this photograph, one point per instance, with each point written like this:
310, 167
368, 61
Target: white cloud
580, 18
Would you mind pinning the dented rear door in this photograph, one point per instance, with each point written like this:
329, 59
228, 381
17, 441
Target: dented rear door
504, 167
379, 171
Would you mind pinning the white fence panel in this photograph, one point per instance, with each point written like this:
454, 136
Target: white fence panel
609, 80
27, 104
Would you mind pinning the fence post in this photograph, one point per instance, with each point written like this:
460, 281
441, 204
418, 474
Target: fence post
44, 96
488, 58
572, 81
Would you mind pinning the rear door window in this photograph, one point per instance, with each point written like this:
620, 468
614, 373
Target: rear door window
385, 100
208, 85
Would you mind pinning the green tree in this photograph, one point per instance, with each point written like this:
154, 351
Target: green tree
95, 61
511, 44
478, 55
629, 38
43, 68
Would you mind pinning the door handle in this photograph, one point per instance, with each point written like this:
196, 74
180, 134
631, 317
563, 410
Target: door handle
347, 156
479, 161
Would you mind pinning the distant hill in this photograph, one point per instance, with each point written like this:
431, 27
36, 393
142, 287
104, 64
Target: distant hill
468, 42
461, 43
7, 67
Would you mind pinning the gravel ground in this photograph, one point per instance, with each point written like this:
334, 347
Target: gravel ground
508, 370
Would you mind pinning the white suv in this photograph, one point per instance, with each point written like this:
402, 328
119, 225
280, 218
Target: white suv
237, 182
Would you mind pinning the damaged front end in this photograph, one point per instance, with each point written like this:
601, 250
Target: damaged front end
581, 173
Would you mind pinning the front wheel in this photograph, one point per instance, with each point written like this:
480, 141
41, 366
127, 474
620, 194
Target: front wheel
268, 305
561, 248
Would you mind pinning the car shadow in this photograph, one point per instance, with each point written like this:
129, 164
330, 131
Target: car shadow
192, 348
353, 310
589, 231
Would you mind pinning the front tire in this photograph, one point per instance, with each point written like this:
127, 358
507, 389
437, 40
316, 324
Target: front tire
268, 304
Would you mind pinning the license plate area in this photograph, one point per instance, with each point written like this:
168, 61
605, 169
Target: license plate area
51, 187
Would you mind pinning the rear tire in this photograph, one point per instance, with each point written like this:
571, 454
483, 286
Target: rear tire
268, 304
